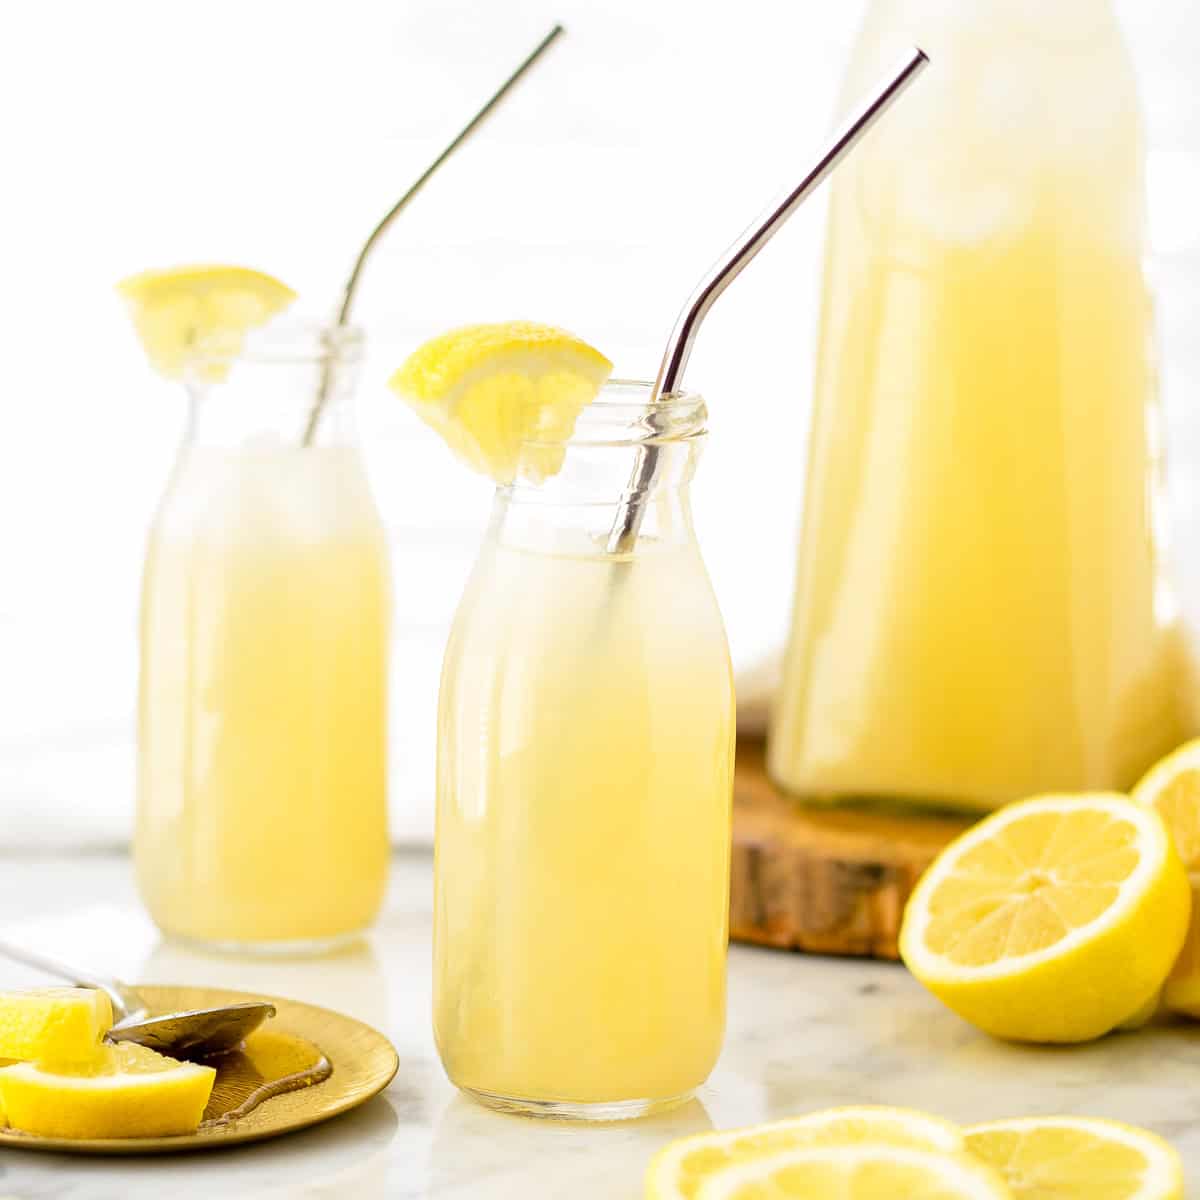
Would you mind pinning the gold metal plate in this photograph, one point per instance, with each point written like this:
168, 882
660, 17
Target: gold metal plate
363, 1062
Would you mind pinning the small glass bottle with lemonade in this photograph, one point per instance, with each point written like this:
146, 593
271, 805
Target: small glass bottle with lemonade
585, 743
266, 607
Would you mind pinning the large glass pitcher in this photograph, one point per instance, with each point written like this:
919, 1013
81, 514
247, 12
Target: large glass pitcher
980, 607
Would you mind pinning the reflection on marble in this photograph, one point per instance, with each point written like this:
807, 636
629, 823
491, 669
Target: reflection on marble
571, 1161
804, 1033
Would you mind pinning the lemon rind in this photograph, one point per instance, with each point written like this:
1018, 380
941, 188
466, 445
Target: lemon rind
943, 1135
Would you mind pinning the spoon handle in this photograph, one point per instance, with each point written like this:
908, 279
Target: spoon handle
126, 1002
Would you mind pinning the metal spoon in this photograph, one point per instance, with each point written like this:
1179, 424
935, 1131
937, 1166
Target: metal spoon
200, 1033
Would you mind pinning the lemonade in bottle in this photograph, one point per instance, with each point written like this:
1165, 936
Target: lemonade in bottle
262, 797
585, 751
980, 608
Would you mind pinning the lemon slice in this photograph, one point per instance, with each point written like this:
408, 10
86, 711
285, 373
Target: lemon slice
680, 1169
504, 397
199, 316
54, 1025
1067, 1157
129, 1091
1172, 788
1052, 920
861, 1171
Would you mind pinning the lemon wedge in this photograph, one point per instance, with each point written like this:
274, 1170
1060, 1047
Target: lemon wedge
199, 316
60, 1025
678, 1171
128, 1091
1067, 1157
1053, 920
1172, 789
859, 1171
504, 397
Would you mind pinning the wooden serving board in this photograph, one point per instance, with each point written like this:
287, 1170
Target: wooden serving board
830, 881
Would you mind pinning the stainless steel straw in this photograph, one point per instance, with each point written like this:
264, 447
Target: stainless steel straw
628, 520
348, 293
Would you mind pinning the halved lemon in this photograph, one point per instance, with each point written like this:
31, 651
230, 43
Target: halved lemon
860, 1171
1144, 1015
54, 1025
1068, 1157
129, 1091
199, 316
1172, 789
504, 397
679, 1170
1053, 920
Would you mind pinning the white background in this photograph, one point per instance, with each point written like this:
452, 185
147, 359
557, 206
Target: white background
145, 133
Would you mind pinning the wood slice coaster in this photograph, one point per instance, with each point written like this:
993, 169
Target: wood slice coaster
829, 881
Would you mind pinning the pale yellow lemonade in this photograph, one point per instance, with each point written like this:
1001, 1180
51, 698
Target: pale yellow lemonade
262, 774
980, 608
584, 779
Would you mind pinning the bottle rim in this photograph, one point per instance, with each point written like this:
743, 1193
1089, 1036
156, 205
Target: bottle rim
622, 414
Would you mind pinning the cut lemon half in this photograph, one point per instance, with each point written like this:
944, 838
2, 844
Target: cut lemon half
1068, 1157
863, 1171
198, 317
1143, 1015
130, 1091
60, 1025
1053, 920
1172, 789
504, 397
679, 1170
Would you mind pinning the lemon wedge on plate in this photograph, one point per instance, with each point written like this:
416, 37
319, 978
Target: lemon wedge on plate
54, 1025
1053, 920
1068, 1157
127, 1091
504, 397
678, 1171
1172, 789
199, 316
857, 1171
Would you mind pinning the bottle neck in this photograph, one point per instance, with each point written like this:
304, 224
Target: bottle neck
575, 511
625, 447
268, 418
265, 395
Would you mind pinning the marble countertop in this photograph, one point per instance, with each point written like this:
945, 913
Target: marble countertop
804, 1033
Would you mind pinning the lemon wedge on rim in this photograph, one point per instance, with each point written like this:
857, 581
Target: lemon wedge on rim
504, 397
1052, 920
198, 316
1067, 1157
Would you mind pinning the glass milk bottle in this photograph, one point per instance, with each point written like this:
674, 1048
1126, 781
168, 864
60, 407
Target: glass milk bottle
265, 613
980, 608
585, 756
